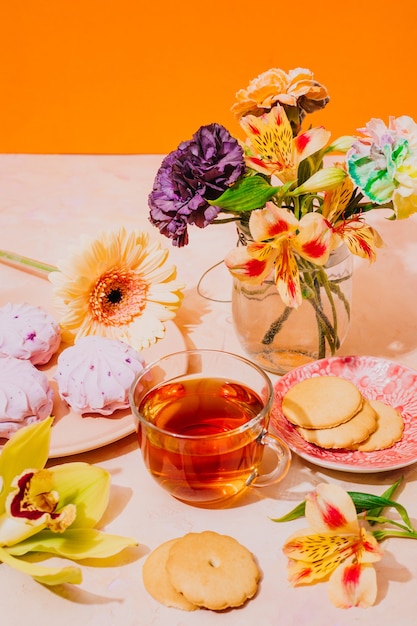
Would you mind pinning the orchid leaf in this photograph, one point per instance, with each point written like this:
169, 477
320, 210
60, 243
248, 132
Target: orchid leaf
247, 194
28, 448
44, 575
77, 543
87, 486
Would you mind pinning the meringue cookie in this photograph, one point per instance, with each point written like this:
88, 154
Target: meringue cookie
25, 395
95, 375
28, 332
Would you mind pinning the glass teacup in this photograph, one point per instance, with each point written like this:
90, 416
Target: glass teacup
202, 423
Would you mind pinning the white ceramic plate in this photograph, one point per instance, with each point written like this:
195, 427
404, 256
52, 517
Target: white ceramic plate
377, 379
73, 433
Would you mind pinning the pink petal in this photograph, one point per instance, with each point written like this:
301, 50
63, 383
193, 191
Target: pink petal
271, 222
309, 142
353, 584
330, 509
315, 238
247, 268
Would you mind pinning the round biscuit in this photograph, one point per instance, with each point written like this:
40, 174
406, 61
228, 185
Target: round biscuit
321, 402
157, 582
212, 571
346, 435
389, 430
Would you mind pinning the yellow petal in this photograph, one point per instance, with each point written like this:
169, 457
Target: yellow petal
85, 486
287, 277
360, 238
28, 447
44, 575
404, 205
76, 544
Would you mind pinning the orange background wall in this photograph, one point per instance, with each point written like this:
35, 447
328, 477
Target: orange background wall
139, 76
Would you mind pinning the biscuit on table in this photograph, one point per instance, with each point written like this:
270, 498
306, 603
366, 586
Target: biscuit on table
212, 571
157, 582
321, 402
389, 430
346, 435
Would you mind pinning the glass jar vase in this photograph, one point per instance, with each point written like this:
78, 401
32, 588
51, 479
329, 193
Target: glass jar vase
280, 338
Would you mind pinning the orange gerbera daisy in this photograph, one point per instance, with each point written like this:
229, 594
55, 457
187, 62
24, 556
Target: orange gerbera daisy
118, 286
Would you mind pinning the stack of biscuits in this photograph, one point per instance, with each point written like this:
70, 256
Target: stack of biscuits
331, 412
201, 570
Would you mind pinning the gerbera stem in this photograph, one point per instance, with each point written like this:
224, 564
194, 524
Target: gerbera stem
26, 264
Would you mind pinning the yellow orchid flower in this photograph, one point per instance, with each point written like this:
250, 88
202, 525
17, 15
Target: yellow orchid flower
51, 510
276, 151
278, 235
335, 547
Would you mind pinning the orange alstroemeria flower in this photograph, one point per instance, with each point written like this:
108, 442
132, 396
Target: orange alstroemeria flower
277, 236
360, 238
295, 88
336, 547
272, 149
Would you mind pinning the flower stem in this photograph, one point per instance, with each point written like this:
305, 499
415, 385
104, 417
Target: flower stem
276, 326
26, 264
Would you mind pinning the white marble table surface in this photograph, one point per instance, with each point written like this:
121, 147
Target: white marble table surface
45, 203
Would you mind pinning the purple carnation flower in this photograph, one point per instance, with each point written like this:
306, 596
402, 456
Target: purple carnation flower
199, 170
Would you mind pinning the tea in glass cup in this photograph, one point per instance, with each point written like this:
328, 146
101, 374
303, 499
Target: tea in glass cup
201, 418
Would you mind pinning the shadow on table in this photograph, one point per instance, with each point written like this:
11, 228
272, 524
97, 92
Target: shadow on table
384, 319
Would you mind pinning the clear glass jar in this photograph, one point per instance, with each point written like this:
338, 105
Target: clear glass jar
280, 338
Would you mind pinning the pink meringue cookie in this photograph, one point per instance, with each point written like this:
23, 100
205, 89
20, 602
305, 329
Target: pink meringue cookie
95, 375
28, 332
25, 395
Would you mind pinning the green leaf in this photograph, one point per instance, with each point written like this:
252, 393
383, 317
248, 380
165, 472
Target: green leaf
369, 502
247, 194
76, 544
87, 486
28, 448
298, 511
44, 575
387, 494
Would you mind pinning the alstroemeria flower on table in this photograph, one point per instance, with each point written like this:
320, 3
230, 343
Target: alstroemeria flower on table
383, 163
277, 236
335, 547
51, 510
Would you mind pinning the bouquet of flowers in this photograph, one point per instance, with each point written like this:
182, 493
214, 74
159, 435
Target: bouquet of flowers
293, 203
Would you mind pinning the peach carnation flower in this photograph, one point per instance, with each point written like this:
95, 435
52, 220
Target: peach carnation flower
297, 88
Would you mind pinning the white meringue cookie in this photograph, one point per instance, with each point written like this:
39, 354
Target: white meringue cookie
25, 395
95, 375
28, 332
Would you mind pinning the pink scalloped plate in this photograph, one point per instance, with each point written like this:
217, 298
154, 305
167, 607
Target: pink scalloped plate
377, 379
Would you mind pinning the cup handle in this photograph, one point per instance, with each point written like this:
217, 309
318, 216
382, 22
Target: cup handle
283, 454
